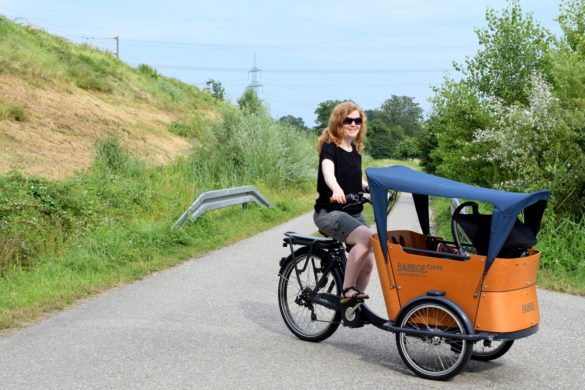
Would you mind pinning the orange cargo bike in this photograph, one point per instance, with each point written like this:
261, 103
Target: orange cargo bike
447, 301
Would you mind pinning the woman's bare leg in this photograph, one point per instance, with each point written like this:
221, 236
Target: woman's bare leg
363, 278
359, 261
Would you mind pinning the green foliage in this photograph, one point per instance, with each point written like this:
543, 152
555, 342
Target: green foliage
296, 122
532, 143
13, 112
572, 23
402, 112
36, 217
426, 144
62, 240
196, 129
148, 70
407, 148
43, 59
381, 141
111, 155
562, 242
553, 160
323, 112
514, 121
217, 89
513, 47
393, 128
250, 103
93, 84
247, 148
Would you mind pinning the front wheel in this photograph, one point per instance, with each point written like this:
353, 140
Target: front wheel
486, 350
306, 320
428, 356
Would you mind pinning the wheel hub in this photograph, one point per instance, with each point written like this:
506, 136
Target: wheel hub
435, 340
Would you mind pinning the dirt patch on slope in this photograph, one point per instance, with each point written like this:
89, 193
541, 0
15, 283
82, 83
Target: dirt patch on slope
59, 136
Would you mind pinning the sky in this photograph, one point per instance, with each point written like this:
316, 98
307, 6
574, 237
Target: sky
304, 51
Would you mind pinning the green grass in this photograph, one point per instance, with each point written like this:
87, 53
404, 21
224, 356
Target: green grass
114, 253
48, 61
112, 223
64, 240
13, 112
414, 164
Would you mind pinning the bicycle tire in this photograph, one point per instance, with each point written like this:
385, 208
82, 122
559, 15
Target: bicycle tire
433, 357
484, 352
308, 321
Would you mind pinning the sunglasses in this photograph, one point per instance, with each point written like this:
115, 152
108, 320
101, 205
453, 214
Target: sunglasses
348, 120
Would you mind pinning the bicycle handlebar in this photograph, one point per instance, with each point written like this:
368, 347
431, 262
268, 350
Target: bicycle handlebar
355, 199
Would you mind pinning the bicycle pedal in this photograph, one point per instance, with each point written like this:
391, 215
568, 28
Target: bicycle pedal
350, 302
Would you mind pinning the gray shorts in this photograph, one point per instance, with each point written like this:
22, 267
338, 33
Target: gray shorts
338, 224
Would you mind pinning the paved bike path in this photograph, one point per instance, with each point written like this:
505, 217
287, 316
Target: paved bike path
213, 323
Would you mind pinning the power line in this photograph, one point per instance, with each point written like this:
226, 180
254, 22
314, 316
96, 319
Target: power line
299, 70
116, 38
292, 48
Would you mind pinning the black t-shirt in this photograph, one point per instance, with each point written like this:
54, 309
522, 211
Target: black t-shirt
348, 172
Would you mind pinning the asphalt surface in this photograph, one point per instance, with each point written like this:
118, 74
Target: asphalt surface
213, 323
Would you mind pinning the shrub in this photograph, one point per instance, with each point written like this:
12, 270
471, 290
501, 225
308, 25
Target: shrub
249, 148
148, 70
196, 129
562, 242
93, 83
534, 148
13, 112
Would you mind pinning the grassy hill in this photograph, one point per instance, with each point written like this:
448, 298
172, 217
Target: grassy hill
99, 159
57, 98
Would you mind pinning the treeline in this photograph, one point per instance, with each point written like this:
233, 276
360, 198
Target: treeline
392, 128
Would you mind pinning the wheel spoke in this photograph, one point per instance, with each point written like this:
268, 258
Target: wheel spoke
434, 357
305, 319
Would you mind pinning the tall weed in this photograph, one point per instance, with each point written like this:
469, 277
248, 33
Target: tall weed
13, 112
562, 242
245, 149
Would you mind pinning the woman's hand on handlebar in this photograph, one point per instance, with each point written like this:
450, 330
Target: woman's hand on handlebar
338, 196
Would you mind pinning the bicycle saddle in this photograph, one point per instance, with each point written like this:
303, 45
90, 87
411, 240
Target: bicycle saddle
305, 239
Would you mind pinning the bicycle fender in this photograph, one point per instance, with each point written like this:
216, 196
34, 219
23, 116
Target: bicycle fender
446, 301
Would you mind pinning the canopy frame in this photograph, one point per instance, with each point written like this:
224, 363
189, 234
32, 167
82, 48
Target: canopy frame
506, 205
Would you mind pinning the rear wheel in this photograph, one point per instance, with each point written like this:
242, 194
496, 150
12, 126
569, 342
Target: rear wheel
428, 356
486, 350
306, 320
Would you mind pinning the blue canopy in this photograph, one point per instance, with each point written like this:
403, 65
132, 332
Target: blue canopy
506, 205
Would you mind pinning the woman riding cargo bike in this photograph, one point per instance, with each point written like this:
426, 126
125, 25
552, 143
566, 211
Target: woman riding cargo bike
447, 301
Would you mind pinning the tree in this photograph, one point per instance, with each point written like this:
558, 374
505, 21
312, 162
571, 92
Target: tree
396, 123
402, 111
371, 115
217, 90
381, 141
514, 46
457, 112
250, 103
323, 112
572, 22
295, 122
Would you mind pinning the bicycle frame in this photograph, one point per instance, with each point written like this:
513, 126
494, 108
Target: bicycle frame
439, 302
336, 261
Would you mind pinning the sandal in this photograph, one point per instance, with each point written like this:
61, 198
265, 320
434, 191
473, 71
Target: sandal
358, 295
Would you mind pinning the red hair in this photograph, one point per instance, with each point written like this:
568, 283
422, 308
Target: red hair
332, 133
